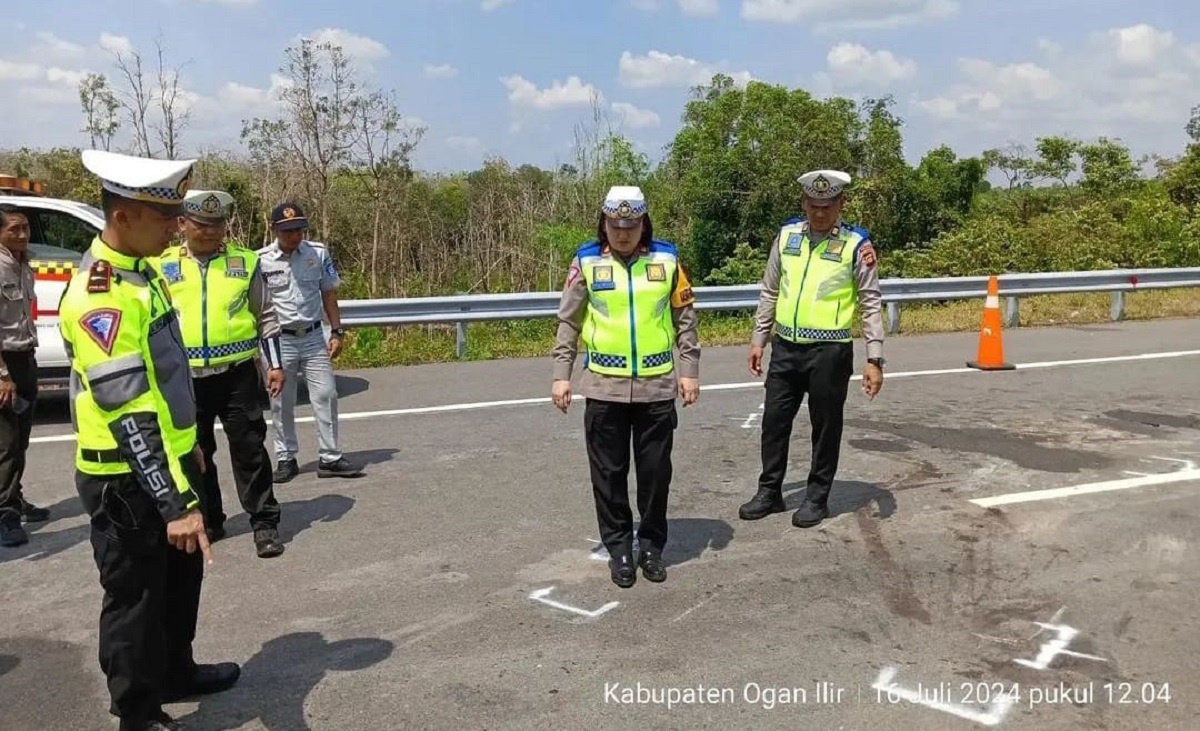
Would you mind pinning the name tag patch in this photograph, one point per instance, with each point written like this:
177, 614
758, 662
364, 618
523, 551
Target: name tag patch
235, 266
277, 278
792, 246
602, 278
833, 250
656, 273
172, 272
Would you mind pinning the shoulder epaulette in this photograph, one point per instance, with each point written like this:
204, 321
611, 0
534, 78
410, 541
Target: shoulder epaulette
663, 246
793, 221
591, 248
99, 276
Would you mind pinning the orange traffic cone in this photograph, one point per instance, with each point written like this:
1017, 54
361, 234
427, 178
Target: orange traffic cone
991, 348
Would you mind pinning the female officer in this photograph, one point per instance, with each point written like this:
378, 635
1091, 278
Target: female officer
630, 299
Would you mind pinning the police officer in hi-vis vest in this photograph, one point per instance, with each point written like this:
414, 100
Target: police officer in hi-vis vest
819, 274
226, 315
138, 466
629, 297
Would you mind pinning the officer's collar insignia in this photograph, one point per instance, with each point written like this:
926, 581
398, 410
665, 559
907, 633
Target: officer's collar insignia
834, 232
102, 326
99, 276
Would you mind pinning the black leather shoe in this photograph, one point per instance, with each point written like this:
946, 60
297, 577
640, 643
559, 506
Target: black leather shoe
12, 535
652, 566
285, 471
341, 467
205, 680
624, 573
764, 503
267, 543
31, 513
809, 514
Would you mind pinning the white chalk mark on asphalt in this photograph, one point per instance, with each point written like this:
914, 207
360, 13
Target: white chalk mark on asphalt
1055, 647
992, 716
474, 406
541, 594
749, 423
703, 601
1088, 489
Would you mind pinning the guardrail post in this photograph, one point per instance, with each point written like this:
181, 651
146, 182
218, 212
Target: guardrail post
460, 336
1012, 311
893, 316
1118, 306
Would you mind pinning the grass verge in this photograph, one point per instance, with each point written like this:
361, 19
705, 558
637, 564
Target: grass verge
413, 344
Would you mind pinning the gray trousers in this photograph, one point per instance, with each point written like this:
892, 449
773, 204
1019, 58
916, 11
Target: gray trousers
308, 355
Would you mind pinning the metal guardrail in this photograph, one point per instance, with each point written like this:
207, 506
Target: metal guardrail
462, 309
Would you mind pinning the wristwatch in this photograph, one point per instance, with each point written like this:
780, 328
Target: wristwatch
876, 361
339, 331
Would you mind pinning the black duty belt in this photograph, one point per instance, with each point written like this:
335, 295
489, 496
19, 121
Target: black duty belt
299, 330
103, 456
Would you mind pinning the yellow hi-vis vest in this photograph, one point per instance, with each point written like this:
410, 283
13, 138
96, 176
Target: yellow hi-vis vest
213, 303
817, 293
133, 407
627, 329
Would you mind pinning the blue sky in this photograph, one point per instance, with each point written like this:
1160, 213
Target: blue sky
515, 77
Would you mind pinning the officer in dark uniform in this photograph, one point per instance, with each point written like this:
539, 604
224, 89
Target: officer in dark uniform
630, 299
820, 274
138, 466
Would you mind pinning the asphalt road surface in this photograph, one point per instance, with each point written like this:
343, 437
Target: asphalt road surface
457, 585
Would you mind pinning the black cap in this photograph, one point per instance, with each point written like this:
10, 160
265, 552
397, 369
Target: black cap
288, 217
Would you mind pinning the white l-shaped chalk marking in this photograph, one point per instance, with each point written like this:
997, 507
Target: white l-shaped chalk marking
995, 713
541, 594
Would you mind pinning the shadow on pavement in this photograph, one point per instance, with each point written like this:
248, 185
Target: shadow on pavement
366, 458
51, 684
846, 496
278, 679
296, 516
46, 543
689, 538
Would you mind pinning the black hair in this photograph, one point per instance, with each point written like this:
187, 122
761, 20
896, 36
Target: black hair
6, 210
647, 231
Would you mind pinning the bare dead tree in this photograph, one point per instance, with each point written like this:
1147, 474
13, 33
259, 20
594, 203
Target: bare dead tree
135, 99
174, 110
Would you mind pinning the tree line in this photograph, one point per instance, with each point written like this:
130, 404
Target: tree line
343, 149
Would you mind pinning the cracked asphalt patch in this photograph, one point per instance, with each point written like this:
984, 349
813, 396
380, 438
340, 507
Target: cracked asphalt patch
404, 598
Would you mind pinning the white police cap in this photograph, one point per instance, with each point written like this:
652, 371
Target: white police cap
160, 182
824, 185
207, 205
624, 205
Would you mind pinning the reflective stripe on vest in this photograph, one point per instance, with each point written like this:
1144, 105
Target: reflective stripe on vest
817, 297
627, 330
213, 303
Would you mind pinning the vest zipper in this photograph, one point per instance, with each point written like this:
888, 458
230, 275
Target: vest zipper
632, 320
204, 308
800, 294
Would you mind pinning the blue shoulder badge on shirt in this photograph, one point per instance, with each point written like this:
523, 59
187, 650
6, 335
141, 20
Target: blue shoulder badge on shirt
172, 271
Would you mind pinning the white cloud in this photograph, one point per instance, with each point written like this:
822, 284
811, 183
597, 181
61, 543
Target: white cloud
1137, 83
359, 46
440, 71
658, 70
634, 117
559, 95
115, 44
490, 5
854, 64
1140, 45
48, 47
699, 7
824, 15
470, 144
19, 71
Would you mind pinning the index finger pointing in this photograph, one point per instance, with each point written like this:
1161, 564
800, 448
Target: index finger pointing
205, 548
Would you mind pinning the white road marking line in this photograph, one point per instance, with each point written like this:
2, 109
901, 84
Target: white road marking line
1087, 489
541, 594
444, 408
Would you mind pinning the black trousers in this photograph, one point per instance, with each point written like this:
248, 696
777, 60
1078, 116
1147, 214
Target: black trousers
822, 371
151, 594
609, 427
235, 398
16, 424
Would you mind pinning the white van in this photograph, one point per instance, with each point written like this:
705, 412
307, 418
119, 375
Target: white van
60, 232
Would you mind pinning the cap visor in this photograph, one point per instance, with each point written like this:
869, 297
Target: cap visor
624, 222
821, 202
204, 220
293, 224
